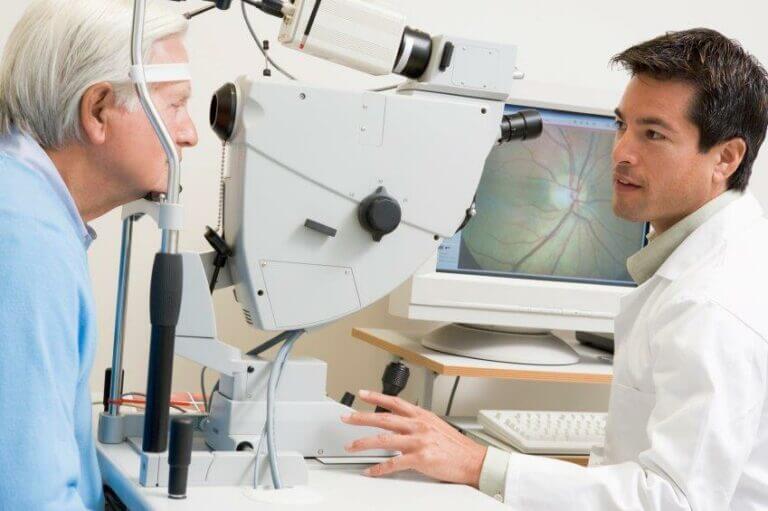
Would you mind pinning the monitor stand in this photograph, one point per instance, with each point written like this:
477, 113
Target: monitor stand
499, 344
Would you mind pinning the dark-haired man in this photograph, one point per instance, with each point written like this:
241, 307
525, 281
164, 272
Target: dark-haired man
688, 415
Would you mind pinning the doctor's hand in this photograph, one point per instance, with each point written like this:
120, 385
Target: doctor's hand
428, 444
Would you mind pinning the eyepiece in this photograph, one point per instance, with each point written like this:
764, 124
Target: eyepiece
223, 111
522, 125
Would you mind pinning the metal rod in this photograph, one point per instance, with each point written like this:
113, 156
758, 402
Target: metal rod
120, 311
166, 286
170, 237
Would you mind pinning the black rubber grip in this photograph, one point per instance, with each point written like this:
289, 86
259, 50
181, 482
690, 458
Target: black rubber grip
159, 377
393, 381
166, 288
165, 305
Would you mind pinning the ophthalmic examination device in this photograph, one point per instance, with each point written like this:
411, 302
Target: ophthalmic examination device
331, 199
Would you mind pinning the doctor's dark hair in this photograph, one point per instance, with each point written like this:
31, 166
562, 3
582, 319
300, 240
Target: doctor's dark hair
731, 87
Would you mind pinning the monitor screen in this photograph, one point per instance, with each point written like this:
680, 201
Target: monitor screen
544, 209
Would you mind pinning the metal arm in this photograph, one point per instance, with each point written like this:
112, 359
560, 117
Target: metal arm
170, 236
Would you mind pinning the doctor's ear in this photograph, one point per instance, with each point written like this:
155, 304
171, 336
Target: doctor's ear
730, 154
95, 105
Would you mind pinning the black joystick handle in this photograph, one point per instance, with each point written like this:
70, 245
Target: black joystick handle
179, 457
394, 381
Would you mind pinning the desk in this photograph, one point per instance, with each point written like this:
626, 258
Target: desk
333, 487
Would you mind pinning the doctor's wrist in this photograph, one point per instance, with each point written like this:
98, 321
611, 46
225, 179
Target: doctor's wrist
475, 462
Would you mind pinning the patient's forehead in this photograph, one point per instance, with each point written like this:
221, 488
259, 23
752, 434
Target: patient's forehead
170, 50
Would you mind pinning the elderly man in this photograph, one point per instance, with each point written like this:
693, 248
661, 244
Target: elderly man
688, 414
74, 144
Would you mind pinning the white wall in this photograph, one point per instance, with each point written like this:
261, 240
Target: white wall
563, 42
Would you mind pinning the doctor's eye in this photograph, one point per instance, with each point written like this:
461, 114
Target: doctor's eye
654, 135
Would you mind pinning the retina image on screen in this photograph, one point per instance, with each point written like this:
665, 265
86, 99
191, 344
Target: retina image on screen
544, 209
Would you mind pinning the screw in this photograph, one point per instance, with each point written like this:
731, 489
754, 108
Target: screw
362, 128
251, 369
302, 96
319, 452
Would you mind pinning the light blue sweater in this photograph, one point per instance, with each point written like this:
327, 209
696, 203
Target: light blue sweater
47, 339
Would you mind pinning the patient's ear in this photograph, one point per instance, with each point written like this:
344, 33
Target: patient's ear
95, 105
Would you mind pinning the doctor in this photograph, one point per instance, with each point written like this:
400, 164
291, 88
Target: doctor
687, 420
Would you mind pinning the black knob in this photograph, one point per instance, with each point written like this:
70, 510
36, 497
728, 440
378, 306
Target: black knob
394, 380
179, 457
348, 399
379, 213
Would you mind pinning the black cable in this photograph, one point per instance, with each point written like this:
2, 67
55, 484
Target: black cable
261, 348
202, 388
191, 14
259, 43
210, 399
450, 399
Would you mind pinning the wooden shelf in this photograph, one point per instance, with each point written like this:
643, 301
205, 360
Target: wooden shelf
407, 346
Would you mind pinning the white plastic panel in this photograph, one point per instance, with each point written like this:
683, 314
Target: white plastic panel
473, 65
300, 293
197, 318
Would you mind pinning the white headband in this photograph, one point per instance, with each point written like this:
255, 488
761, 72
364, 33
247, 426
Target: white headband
156, 73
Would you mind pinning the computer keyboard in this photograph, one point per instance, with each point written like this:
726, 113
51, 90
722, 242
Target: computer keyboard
536, 432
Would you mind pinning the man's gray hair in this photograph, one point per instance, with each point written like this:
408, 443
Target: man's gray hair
58, 50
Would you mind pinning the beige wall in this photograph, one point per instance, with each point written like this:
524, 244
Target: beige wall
560, 41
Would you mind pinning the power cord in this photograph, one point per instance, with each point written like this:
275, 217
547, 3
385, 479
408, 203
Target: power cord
450, 399
274, 376
202, 389
261, 348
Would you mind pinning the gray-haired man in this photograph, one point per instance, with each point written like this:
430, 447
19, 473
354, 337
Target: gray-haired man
74, 144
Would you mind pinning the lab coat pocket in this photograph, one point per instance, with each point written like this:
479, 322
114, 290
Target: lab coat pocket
626, 433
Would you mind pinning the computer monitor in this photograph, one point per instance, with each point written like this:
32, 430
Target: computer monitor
544, 251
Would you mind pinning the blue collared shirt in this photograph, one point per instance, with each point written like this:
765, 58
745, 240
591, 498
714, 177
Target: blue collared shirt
47, 338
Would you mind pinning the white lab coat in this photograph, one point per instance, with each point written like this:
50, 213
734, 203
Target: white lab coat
687, 422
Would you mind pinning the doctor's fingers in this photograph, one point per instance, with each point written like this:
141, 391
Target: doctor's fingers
386, 421
386, 441
396, 464
391, 403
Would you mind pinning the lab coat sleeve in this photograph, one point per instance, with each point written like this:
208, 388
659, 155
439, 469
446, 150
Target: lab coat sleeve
709, 379
39, 369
